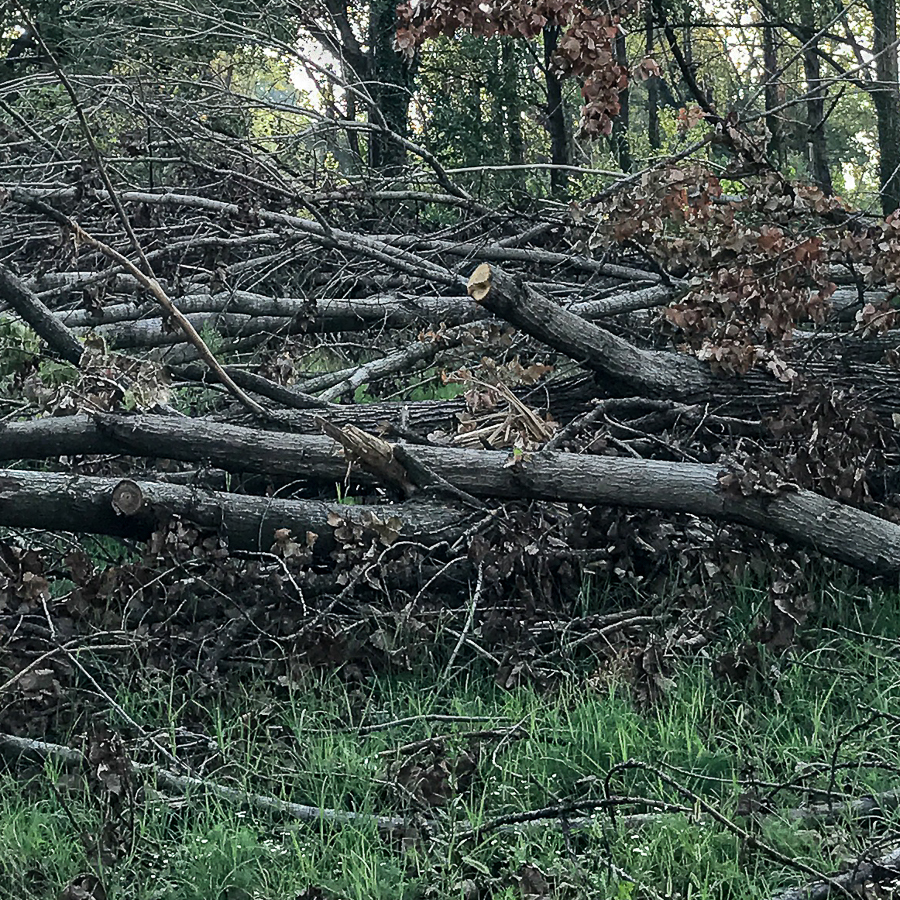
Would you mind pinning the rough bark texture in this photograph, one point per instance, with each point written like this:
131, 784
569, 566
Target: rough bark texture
802, 517
772, 93
83, 504
512, 107
817, 145
659, 373
886, 98
652, 85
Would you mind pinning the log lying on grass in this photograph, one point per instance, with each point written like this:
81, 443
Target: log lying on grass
804, 518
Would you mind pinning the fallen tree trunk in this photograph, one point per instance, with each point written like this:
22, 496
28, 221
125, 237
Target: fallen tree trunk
241, 312
804, 518
658, 373
325, 314
84, 504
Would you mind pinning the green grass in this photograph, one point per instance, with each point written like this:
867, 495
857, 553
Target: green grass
300, 741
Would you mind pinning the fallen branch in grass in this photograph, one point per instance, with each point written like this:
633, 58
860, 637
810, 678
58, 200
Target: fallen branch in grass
418, 720
748, 838
863, 871
562, 813
11, 745
813, 815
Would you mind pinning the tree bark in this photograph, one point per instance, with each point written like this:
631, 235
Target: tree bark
83, 504
390, 86
772, 92
557, 127
45, 500
512, 104
886, 98
816, 143
620, 137
629, 368
124, 325
652, 85
39, 317
816, 139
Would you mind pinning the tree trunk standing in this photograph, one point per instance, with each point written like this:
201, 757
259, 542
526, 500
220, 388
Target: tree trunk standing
886, 97
390, 86
621, 144
352, 136
556, 116
770, 68
652, 86
512, 105
817, 147
687, 48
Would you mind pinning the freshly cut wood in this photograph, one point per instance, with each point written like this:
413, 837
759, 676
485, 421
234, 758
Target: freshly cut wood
127, 497
804, 518
84, 504
655, 372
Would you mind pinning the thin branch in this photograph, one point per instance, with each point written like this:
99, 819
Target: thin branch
156, 290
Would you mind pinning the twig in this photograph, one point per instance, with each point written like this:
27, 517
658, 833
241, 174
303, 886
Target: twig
184, 783
418, 720
751, 840
514, 732
476, 596
561, 810
155, 288
607, 630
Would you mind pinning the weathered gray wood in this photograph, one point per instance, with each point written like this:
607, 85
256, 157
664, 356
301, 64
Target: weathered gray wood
849, 535
83, 504
658, 373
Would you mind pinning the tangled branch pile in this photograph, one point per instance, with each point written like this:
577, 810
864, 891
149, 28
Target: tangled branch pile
391, 387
